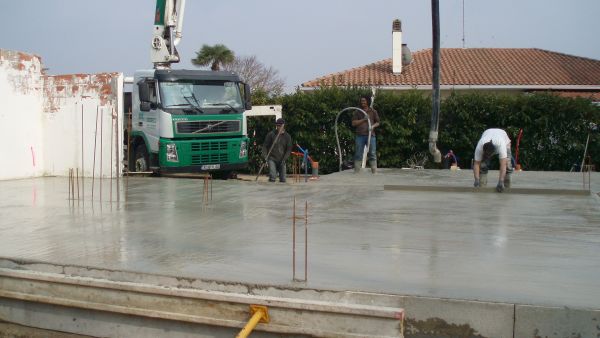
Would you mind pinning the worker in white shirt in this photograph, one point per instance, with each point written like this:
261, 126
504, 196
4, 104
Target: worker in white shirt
493, 141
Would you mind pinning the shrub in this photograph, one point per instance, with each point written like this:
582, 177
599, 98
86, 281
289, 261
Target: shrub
555, 128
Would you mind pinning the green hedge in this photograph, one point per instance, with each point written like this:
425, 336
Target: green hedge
310, 118
554, 128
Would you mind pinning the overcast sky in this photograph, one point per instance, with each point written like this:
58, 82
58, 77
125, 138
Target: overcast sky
303, 39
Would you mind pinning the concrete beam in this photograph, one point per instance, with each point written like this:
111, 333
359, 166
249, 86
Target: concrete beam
215, 308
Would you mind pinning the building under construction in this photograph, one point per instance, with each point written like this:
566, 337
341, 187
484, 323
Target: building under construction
86, 251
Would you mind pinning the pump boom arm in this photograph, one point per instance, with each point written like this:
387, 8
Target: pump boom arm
168, 23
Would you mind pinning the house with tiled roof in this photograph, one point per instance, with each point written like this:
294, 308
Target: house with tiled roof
508, 70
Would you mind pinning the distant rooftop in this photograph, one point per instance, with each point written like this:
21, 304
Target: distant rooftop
476, 66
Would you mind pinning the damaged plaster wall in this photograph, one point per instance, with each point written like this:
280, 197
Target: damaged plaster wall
50, 124
21, 120
83, 102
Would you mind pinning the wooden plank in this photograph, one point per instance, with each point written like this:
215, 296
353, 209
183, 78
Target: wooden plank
462, 189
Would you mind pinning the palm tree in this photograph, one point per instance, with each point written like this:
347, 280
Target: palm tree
213, 56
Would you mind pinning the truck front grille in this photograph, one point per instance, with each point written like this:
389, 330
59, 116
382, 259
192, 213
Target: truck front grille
209, 146
199, 159
208, 127
209, 152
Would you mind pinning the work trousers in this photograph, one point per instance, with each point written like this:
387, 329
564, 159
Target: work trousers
276, 167
361, 143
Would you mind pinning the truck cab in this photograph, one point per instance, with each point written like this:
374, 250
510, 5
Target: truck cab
188, 121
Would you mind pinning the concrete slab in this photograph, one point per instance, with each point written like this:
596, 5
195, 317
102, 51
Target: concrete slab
512, 248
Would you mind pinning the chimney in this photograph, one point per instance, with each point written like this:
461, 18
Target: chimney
397, 47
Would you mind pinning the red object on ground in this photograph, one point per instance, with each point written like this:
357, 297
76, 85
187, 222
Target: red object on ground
517, 150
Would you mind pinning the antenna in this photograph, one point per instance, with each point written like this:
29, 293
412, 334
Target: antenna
463, 24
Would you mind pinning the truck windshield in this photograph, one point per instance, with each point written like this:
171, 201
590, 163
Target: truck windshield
205, 96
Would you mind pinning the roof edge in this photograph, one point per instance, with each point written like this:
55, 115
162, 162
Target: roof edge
478, 87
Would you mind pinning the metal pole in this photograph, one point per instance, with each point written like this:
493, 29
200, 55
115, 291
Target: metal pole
78, 184
294, 240
585, 152
435, 115
69, 188
297, 178
587, 172
95, 139
101, 149
118, 160
112, 127
305, 166
82, 166
296, 168
129, 126
305, 241
589, 169
463, 25
205, 190
73, 185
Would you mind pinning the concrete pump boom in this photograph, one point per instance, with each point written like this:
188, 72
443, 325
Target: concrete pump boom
168, 23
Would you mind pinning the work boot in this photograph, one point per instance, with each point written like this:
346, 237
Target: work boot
483, 180
507, 180
357, 165
373, 165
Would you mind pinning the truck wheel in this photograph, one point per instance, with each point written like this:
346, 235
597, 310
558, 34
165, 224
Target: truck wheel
141, 159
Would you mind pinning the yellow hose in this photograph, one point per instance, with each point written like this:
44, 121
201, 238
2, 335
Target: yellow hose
259, 314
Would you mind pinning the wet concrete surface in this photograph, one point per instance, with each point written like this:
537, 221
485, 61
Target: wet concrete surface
541, 249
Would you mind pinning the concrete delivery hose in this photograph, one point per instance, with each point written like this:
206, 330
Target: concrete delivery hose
338, 139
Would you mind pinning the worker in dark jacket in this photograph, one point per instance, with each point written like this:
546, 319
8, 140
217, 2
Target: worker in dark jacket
277, 148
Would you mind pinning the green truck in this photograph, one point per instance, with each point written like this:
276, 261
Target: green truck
184, 120
188, 121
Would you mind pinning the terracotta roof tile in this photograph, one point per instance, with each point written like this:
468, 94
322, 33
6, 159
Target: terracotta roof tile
476, 66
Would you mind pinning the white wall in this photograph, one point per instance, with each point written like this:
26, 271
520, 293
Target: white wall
95, 99
41, 120
21, 99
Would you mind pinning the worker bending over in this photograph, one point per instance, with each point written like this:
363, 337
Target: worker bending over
493, 141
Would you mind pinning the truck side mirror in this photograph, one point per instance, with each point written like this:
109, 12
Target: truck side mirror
144, 91
247, 97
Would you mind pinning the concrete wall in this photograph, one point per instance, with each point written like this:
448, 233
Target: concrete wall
49, 124
539, 321
21, 107
82, 118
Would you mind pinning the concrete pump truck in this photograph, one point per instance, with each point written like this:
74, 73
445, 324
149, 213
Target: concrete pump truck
185, 120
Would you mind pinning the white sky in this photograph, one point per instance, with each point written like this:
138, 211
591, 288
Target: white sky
303, 39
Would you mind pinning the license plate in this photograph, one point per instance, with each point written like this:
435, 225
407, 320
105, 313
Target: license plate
210, 166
